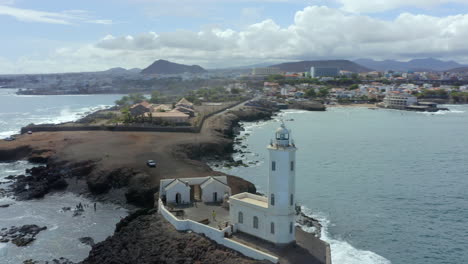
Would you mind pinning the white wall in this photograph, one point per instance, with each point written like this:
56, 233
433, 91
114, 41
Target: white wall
191, 181
214, 186
214, 234
181, 188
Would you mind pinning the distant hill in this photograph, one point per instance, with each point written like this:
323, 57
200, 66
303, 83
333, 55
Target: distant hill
429, 64
167, 67
304, 66
460, 69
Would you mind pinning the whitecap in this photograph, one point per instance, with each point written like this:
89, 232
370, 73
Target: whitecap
5, 134
341, 251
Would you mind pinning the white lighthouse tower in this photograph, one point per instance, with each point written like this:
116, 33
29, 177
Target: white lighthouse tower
281, 185
271, 217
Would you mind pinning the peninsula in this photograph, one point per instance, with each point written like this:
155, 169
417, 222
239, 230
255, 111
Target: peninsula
112, 166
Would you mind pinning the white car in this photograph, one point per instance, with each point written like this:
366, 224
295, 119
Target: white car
151, 163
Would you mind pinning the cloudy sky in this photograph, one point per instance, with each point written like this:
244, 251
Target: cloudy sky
87, 35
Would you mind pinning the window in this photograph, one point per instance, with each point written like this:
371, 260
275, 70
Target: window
292, 165
272, 228
255, 222
291, 199
272, 200
290, 227
240, 218
273, 166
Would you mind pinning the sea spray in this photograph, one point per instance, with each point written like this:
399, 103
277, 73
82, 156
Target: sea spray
342, 252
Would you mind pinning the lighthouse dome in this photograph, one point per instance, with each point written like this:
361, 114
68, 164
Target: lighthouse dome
282, 130
282, 136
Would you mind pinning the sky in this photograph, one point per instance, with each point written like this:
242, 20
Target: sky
47, 36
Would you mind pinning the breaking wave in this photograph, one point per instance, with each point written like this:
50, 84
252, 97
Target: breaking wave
341, 251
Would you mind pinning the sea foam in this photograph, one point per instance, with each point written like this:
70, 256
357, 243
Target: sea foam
341, 251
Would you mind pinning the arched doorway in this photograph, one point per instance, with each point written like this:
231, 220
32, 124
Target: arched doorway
215, 197
178, 198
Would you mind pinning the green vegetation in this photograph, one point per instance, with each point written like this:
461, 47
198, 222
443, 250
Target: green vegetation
459, 97
157, 98
133, 98
310, 93
340, 81
436, 94
354, 86
322, 92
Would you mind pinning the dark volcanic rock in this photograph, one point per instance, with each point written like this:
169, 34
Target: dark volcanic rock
4, 205
42, 181
21, 236
87, 241
54, 261
14, 154
308, 105
148, 238
309, 222
140, 192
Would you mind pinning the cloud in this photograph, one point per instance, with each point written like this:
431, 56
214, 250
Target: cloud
366, 6
66, 17
318, 32
101, 21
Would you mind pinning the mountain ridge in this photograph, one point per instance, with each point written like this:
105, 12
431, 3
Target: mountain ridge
427, 64
304, 66
167, 67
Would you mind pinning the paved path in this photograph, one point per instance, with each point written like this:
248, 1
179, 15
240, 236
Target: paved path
298, 253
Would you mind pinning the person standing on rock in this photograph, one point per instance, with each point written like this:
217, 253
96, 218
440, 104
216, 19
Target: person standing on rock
94, 207
214, 215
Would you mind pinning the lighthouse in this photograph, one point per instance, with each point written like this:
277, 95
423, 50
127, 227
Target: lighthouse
272, 216
281, 184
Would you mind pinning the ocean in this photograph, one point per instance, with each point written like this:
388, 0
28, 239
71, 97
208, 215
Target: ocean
388, 186
61, 239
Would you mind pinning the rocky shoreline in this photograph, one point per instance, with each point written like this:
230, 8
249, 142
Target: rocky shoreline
150, 237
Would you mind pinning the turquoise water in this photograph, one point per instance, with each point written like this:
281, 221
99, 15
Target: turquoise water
389, 186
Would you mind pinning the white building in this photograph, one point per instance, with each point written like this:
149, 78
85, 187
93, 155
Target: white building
185, 190
272, 217
316, 72
399, 100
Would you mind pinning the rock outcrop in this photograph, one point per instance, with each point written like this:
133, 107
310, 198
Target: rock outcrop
20, 236
40, 182
139, 189
145, 237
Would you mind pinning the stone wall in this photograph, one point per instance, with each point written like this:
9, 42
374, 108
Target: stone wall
214, 234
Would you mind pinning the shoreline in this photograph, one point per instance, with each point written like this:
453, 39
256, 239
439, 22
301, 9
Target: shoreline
92, 156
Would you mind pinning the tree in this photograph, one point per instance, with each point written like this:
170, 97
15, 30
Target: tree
323, 92
127, 115
310, 93
354, 86
122, 101
155, 97
235, 91
136, 98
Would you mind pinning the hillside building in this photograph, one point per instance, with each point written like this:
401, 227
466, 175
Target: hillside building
317, 72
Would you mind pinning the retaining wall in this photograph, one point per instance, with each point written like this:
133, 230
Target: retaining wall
214, 234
